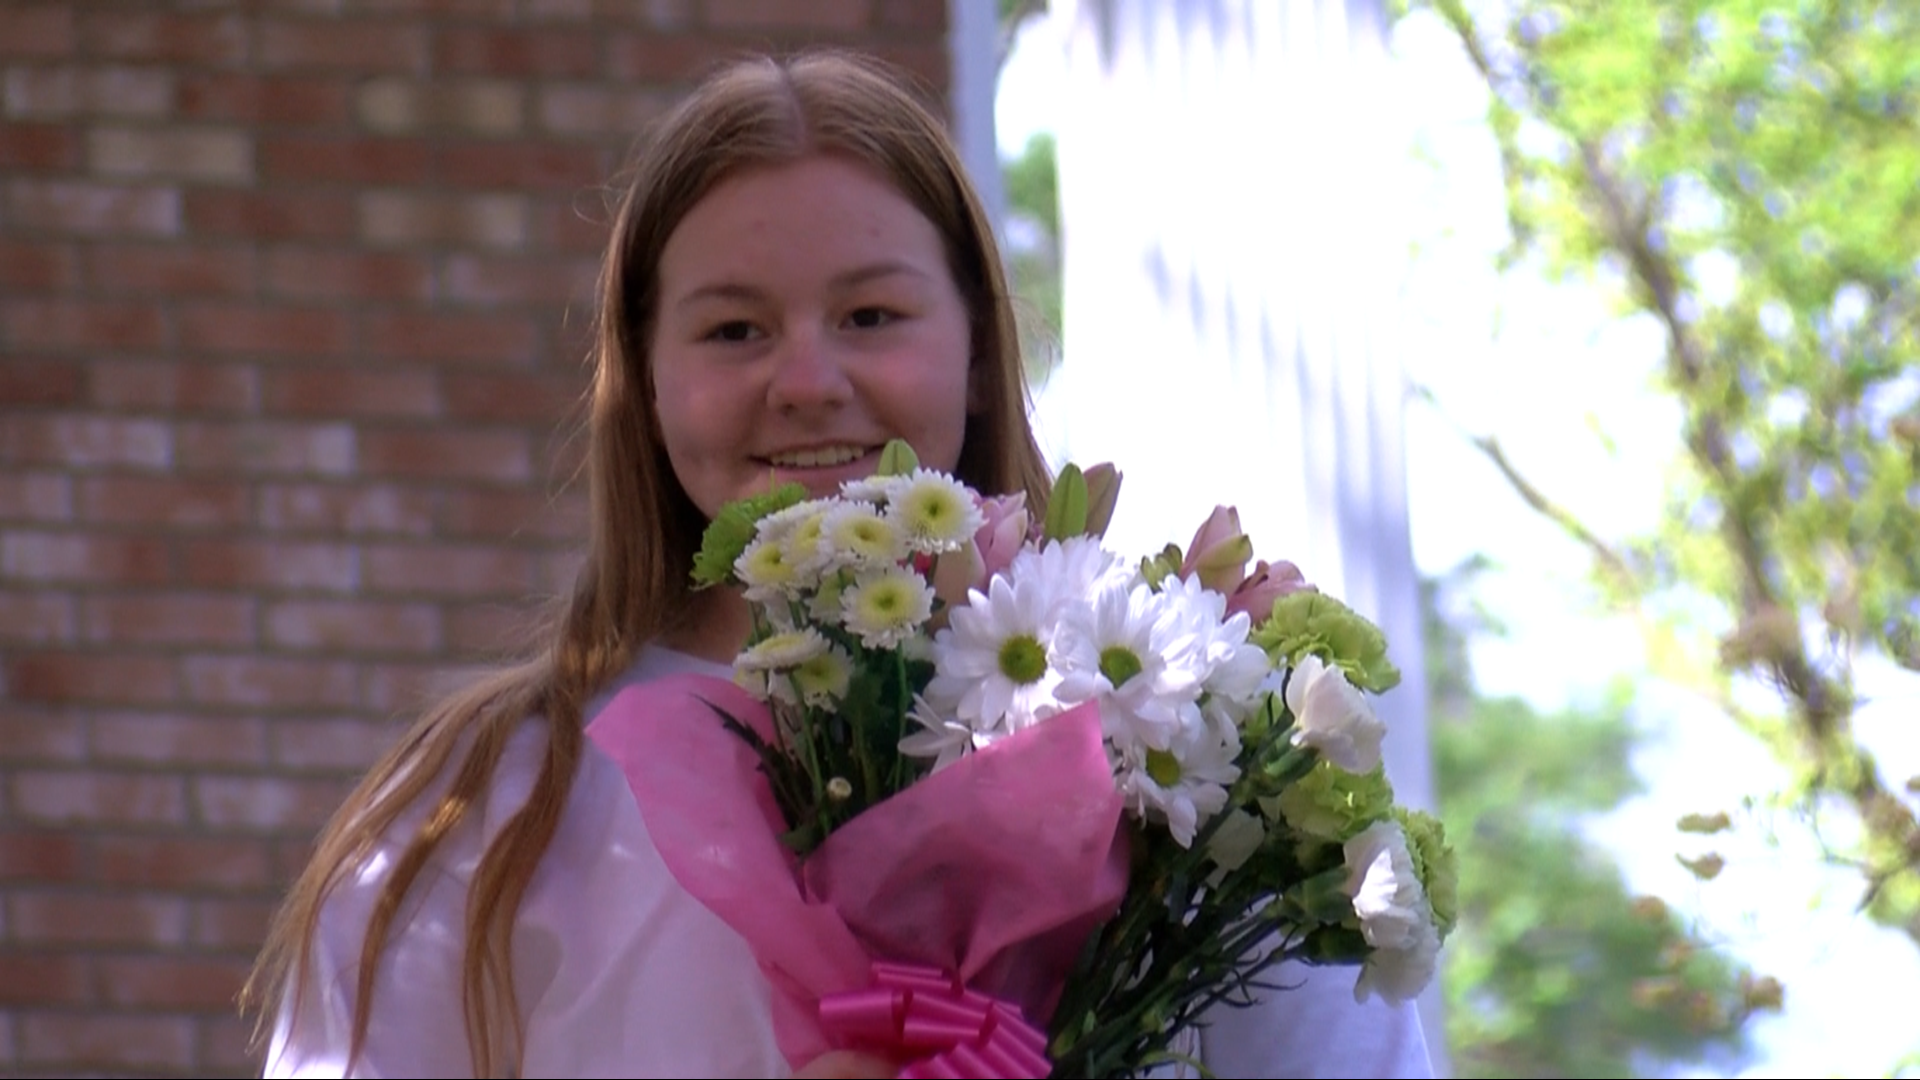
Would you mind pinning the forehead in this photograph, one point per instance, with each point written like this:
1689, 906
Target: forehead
816, 211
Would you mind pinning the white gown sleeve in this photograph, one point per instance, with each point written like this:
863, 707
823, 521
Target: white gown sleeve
619, 972
1316, 1029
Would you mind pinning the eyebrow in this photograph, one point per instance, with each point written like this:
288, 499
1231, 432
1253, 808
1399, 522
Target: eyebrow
727, 290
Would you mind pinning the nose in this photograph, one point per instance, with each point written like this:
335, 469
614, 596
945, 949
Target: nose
808, 373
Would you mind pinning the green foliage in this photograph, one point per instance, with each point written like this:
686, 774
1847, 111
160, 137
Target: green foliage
1033, 256
1747, 173
1554, 968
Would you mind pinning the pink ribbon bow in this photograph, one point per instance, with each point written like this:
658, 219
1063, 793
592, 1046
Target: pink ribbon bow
916, 1010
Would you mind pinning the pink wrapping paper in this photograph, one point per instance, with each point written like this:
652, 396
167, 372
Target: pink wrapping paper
993, 870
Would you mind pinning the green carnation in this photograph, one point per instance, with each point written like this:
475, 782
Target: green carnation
1331, 804
1434, 862
731, 530
1311, 622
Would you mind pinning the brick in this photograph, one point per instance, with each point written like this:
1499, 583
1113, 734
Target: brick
489, 629
439, 454
406, 690
502, 281
173, 269
263, 682
173, 387
516, 52
61, 324
338, 745
35, 496
359, 509
390, 218
319, 274
26, 381
542, 399
44, 855
226, 1044
352, 392
264, 803
176, 740
170, 982
36, 617
42, 557
39, 147
484, 107
669, 59
233, 924
269, 101
69, 92
599, 112
37, 31
345, 627
71, 796
272, 564
511, 513
207, 156
186, 38
271, 215
448, 570
38, 265
79, 441
167, 618
48, 734
216, 327
105, 1042
184, 863
313, 159
95, 209
449, 337
559, 569
342, 45
105, 678
927, 16
164, 502
524, 165
43, 979
558, 226
266, 448
758, 15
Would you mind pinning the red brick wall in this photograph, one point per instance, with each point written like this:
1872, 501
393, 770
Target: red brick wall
292, 301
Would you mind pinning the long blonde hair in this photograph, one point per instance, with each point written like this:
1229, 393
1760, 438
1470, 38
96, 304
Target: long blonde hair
633, 586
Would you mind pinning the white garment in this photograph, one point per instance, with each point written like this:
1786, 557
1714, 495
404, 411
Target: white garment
621, 973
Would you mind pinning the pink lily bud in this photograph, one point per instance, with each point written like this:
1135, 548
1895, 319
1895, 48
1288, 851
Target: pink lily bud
1001, 535
1267, 583
957, 572
1219, 551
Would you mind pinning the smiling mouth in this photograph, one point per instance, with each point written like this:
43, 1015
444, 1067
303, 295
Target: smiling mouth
823, 457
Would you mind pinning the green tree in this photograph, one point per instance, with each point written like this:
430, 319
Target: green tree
1747, 174
1555, 968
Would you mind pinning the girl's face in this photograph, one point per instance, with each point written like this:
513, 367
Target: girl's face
806, 316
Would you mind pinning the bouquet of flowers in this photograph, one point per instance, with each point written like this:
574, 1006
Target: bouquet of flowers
1036, 806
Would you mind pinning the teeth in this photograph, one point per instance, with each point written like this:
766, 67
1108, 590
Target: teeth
813, 459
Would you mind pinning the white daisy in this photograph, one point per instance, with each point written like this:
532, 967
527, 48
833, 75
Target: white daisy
766, 571
944, 738
993, 666
856, 534
886, 606
777, 652
821, 680
935, 511
1138, 653
1183, 785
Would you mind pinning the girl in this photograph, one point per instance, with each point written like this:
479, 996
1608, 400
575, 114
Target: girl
798, 272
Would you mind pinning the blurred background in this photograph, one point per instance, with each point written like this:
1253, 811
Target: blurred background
1576, 343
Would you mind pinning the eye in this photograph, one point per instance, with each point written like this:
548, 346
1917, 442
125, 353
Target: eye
732, 331
870, 318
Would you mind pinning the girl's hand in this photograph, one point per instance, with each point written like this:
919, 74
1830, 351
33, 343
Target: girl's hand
848, 1065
